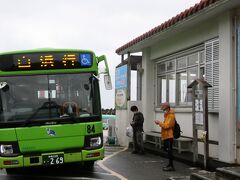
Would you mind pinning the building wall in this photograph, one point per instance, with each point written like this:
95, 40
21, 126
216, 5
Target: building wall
182, 40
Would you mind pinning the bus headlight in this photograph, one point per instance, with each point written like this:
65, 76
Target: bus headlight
6, 149
95, 141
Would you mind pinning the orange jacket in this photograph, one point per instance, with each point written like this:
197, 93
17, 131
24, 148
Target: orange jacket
168, 124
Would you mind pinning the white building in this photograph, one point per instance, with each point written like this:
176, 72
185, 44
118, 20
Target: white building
203, 41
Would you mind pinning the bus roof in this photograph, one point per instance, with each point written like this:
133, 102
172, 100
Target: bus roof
45, 50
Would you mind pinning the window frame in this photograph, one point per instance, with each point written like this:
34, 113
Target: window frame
202, 65
175, 57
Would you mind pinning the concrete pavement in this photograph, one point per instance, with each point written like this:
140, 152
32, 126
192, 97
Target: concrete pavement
142, 167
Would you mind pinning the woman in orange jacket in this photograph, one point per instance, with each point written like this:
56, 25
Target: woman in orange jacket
167, 133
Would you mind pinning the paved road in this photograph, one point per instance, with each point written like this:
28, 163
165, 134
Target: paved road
66, 172
142, 167
118, 163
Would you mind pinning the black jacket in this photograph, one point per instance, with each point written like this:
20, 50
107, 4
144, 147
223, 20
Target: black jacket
137, 122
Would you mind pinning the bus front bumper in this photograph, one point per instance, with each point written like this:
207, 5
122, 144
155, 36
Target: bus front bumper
56, 158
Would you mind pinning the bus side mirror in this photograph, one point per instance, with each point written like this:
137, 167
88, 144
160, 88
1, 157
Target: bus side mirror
107, 82
107, 77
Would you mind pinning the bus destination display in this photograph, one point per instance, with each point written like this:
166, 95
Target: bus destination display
41, 61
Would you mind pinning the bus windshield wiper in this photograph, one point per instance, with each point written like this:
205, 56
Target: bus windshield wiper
60, 120
66, 118
46, 105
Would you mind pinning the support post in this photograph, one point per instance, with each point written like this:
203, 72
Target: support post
200, 117
129, 77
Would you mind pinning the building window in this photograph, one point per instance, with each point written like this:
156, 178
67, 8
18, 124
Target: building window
170, 65
163, 88
192, 74
174, 74
182, 87
161, 68
171, 88
183, 80
193, 59
167, 91
181, 62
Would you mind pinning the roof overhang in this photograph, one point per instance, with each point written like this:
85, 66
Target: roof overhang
133, 61
174, 26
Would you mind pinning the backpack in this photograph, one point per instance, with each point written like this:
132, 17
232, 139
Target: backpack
176, 130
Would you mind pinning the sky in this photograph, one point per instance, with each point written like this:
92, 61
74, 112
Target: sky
100, 26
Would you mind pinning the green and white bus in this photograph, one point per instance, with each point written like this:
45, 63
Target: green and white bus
50, 109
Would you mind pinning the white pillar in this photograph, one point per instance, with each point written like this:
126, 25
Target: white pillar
148, 90
227, 121
122, 121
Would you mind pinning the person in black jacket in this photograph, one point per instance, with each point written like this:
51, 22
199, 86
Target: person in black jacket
137, 125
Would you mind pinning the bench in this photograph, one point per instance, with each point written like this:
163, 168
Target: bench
183, 144
154, 138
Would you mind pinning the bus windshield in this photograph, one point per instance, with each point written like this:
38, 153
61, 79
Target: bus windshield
47, 97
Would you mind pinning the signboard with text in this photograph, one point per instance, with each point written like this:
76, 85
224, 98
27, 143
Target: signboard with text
121, 83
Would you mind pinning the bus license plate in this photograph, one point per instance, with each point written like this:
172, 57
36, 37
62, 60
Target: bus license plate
53, 159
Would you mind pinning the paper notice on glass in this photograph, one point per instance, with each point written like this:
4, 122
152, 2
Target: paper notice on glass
201, 105
199, 118
198, 105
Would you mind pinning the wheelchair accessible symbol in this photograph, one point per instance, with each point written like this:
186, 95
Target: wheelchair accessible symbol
85, 60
